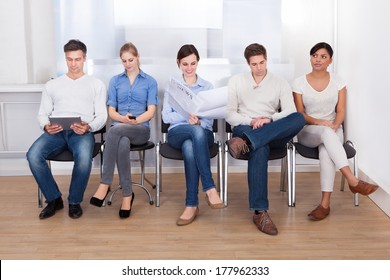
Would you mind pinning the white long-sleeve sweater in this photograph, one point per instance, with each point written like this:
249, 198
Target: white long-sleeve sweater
84, 97
272, 98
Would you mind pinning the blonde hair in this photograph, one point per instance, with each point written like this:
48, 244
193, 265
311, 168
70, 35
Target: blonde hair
129, 47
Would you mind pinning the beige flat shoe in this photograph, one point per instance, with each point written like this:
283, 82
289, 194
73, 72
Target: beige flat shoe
184, 222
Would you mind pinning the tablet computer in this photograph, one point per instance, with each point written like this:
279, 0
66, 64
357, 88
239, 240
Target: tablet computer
64, 121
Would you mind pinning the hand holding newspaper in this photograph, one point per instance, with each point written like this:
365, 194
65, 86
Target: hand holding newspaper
206, 104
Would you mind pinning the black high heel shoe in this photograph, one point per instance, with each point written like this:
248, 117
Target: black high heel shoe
99, 202
126, 213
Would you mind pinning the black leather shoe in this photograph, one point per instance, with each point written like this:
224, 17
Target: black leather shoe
75, 211
51, 208
98, 202
126, 213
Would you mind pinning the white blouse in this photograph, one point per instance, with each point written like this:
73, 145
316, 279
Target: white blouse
320, 104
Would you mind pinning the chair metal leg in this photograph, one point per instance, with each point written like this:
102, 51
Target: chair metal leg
356, 171
39, 198
291, 172
220, 172
283, 174
158, 174
225, 175
141, 183
109, 201
40, 195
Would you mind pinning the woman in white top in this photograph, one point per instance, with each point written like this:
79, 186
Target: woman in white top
321, 97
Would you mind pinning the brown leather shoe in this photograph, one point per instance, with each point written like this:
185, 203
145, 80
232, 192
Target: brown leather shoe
237, 147
184, 222
216, 205
363, 188
319, 213
264, 223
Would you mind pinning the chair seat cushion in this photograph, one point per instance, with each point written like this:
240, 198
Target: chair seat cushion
147, 146
169, 152
313, 152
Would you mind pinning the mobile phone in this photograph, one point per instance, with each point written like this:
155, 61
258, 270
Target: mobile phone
131, 117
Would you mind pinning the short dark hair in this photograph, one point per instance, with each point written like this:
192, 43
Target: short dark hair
75, 45
187, 50
253, 50
322, 45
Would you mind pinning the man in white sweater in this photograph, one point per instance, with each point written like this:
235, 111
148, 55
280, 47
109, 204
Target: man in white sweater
72, 94
262, 113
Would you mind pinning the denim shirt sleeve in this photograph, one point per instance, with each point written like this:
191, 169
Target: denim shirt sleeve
111, 99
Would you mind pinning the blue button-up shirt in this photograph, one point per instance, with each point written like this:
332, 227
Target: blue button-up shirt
135, 98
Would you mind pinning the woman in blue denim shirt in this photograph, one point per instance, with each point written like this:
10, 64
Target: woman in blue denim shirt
193, 136
132, 103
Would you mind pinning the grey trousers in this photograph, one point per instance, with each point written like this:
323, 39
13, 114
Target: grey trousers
117, 150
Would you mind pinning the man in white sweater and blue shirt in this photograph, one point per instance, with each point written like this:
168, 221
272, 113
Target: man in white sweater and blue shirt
262, 113
72, 94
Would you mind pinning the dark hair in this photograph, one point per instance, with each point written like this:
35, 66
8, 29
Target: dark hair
253, 50
129, 47
75, 45
185, 51
322, 45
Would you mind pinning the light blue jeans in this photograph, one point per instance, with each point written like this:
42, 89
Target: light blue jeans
194, 142
47, 145
261, 140
117, 150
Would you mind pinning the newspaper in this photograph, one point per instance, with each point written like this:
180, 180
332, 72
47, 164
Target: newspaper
206, 104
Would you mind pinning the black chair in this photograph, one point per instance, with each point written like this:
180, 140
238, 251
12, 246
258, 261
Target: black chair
284, 154
66, 156
141, 160
164, 150
312, 153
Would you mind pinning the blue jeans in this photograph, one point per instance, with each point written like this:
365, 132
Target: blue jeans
194, 142
47, 145
260, 141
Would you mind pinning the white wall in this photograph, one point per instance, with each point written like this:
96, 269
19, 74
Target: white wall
27, 53
13, 58
305, 23
363, 59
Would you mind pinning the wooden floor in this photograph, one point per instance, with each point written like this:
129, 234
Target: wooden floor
151, 233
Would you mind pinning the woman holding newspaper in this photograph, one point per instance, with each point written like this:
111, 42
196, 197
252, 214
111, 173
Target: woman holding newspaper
132, 103
192, 135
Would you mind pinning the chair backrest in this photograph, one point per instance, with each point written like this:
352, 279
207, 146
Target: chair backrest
101, 133
164, 126
215, 126
228, 127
